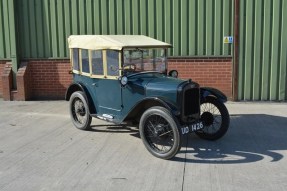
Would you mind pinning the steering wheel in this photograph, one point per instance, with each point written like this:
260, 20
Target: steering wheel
129, 67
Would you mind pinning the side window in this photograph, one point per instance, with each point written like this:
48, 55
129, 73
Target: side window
97, 62
85, 61
113, 62
76, 59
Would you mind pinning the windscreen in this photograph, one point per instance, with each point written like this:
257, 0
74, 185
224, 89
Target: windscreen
143, 60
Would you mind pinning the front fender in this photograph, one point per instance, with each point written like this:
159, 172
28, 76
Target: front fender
208, 91
149, 102
169, 105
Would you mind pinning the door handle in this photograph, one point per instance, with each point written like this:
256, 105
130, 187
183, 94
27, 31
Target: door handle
95, 84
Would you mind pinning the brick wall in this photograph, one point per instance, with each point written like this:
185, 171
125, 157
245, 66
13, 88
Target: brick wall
212, 72
24, 83
49, 78
2, 65
6, 78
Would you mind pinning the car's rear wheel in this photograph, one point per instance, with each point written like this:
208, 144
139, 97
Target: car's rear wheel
159, 132
79, 111
215, 118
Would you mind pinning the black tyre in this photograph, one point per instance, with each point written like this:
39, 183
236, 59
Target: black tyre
79, 111
159, 132
215, 119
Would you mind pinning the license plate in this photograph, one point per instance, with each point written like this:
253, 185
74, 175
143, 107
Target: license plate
192, 128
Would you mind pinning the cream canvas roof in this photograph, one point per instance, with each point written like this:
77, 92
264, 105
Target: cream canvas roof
115, 42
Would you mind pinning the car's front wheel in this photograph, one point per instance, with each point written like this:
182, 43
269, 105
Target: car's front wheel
215, 118
79, 111
159, 132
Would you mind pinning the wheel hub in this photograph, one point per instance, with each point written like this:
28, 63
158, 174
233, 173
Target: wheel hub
81, 111
159, 129
207, 118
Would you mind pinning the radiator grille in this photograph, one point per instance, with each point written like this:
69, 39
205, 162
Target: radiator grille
191, 101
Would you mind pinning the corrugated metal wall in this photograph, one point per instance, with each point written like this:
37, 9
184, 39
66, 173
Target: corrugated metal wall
263, 50
194, 27
5, 45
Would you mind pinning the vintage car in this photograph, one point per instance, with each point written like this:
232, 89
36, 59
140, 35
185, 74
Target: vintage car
124, 79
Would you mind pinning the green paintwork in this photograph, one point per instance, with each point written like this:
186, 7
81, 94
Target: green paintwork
8, 40
194, 27
163, 86
263, 49
5, 45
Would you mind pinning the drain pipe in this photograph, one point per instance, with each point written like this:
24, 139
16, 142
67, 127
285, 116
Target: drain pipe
236, 50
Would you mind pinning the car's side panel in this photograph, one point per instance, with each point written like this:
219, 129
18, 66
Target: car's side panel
105, 94
164, 87
141, 91
144, 104
108, 94
116, 103
132, 93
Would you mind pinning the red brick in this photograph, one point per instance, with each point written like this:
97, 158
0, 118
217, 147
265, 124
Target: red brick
2, 65
6, 81
214, 72
49, 79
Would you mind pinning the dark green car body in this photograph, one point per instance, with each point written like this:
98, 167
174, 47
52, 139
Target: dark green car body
111, 101
99, 63
124, 79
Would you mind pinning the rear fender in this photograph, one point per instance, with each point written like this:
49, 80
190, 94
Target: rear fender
80, 87
73, 88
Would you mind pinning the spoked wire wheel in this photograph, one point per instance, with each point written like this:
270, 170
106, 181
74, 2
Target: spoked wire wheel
159, 132
215, 118
211, 117
79, 111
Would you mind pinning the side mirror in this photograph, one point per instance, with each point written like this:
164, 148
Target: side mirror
123, 80
173, 73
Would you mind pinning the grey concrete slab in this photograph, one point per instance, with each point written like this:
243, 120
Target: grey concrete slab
252, 155
41, 150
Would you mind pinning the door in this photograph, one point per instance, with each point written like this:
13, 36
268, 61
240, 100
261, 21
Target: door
108, 95
106, 87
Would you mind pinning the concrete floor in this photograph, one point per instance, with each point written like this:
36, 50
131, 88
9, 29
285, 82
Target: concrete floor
41, 150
